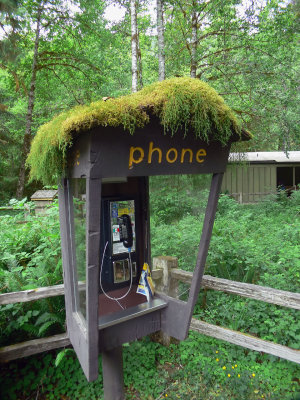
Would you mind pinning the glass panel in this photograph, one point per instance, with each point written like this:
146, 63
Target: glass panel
178, 205
79, 204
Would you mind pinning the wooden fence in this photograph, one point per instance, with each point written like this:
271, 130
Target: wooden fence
166, 276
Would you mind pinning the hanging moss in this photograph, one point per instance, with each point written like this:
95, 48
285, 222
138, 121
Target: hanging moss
184, 104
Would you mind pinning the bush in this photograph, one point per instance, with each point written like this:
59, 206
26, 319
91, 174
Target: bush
255, 243
31, 258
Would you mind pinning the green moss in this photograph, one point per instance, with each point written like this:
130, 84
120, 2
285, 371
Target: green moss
184, 104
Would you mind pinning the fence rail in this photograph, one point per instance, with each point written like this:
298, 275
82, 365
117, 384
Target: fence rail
31, 347
256, 292
34, 294
166, 277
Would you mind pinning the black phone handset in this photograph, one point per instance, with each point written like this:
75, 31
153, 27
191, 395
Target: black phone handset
125, 230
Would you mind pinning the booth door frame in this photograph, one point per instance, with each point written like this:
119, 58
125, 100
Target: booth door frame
83, 333
179, 310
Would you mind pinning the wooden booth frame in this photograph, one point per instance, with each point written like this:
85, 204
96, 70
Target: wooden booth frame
106, 153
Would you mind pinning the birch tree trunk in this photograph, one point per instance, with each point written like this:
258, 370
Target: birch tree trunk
139, 55
29, 116
134, 53
160, 40
194, 43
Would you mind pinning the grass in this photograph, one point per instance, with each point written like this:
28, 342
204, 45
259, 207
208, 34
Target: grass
198, 368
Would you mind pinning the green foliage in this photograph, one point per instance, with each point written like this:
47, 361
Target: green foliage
255, 243
39, 376
231, 372
241, 235
249, 54
252, 242
180, 103
173, 197
31, 258
197, 368
261, 238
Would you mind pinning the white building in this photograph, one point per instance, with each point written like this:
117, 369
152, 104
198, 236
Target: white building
252, 176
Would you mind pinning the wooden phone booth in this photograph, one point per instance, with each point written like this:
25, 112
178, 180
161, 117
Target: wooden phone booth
105, 193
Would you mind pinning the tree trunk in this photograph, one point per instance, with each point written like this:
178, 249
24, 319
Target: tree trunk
139, 54
31, 96
134, 55
194, 43
160, 40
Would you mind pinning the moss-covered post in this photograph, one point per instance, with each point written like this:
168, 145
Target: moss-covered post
165, 284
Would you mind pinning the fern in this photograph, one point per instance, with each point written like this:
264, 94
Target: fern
31, 258
47, 320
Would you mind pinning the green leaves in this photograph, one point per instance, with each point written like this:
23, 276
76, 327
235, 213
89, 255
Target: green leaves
255, 243
31, 258
60, 356
196, 368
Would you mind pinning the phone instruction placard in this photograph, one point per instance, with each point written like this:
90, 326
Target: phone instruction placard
117, 209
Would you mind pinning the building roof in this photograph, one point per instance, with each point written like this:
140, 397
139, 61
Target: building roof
266, 157
44, 195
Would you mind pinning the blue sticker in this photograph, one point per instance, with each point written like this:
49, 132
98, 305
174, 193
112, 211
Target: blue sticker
114, 213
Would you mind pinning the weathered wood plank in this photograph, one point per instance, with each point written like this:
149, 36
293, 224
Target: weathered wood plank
247, 341
266, 294
34, 294
269, 295
157, 274
24, 349
208, 223
90, 366
37, 346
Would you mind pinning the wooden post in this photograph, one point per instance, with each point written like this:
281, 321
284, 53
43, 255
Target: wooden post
112, 370
166, 284
93, 218
208, 223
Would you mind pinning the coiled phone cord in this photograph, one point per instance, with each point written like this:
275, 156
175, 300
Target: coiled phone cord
107, 295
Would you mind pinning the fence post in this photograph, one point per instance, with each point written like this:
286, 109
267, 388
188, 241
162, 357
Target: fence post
166, 284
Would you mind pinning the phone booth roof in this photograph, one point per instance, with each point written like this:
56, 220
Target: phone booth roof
122, 135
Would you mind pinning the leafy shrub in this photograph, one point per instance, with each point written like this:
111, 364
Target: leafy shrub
255, 243
37, 377
173, 197
31, 258
197, 368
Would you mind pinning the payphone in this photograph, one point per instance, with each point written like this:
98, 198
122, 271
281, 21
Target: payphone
119, 248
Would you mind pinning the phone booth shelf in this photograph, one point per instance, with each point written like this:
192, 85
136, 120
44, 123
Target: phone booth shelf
106, 177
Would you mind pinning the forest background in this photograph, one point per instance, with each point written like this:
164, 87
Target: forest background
56, 55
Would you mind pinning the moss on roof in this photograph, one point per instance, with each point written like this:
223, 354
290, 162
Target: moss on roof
180, 103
